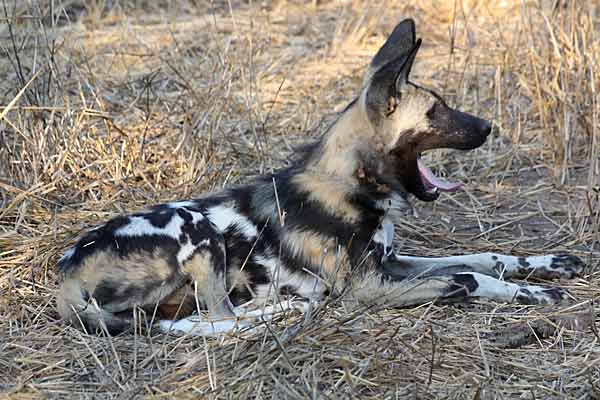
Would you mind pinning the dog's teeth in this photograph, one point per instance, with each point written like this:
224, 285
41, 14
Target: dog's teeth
435, 189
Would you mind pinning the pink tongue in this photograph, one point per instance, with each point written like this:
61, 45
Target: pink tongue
433, 181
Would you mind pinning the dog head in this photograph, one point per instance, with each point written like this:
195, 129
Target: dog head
408, 119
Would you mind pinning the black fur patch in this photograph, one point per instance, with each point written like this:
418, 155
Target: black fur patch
499, 267
184, 214
287, 290
159, 219
393, 270
110, 291
257, 275
200, 231
464, 284
304, 214
523, 262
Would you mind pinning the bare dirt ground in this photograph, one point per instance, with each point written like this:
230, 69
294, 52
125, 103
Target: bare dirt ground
110, 106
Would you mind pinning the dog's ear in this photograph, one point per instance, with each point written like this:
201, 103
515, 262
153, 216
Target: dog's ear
407, 63
398, 43
385, 86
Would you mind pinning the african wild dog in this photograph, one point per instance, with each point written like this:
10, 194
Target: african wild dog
321, 225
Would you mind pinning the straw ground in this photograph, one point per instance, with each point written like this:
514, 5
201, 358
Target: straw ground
111, 106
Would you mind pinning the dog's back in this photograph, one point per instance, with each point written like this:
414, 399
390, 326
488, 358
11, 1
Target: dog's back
287, 233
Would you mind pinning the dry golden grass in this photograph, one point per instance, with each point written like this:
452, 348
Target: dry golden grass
111, 106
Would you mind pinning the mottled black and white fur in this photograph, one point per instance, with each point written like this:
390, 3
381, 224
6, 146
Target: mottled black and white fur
310, 230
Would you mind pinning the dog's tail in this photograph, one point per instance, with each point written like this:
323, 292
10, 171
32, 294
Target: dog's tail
75, 305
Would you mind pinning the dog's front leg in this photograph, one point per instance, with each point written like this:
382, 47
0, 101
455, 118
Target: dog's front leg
380, 287
496, 265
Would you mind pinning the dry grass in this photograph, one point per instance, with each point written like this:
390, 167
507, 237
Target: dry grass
134, 102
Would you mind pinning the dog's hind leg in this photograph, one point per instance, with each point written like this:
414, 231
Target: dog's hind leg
496, 265
204, 267
206, 271
105, 288
381, 288
245, 319
144, 261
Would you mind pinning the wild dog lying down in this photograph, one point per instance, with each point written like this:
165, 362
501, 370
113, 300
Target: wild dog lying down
312, 229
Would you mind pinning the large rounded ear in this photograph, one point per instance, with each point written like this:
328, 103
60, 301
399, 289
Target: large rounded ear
388, 80
398, 43
409, 59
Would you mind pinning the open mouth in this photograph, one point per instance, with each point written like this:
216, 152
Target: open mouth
454, 130
418, 179
432, 183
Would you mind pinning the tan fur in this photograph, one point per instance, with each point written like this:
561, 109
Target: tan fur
238, 279
370, 289
208, 286
137, 270
329, 192
181, 303
354, 133
412, 110
199, 267
351, 133
320, 251
69, 300
73, 308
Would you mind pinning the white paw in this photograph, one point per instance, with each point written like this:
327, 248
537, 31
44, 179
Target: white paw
540, 295
247, 318
553, 266
199, 326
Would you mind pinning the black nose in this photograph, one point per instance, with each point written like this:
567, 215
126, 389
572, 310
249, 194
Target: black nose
484, 127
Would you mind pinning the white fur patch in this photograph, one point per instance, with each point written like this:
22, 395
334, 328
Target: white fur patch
498, 290
199, 326
196, 216
384, 235
500, 265
246, 319
139, 226
181, 204
493, 288
411, 116
187, 249
540, 262
223, 217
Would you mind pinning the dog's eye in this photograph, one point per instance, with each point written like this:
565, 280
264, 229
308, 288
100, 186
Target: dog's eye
391, 105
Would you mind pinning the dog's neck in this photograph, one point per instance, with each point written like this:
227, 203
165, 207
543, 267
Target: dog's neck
346, 171
339, 152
